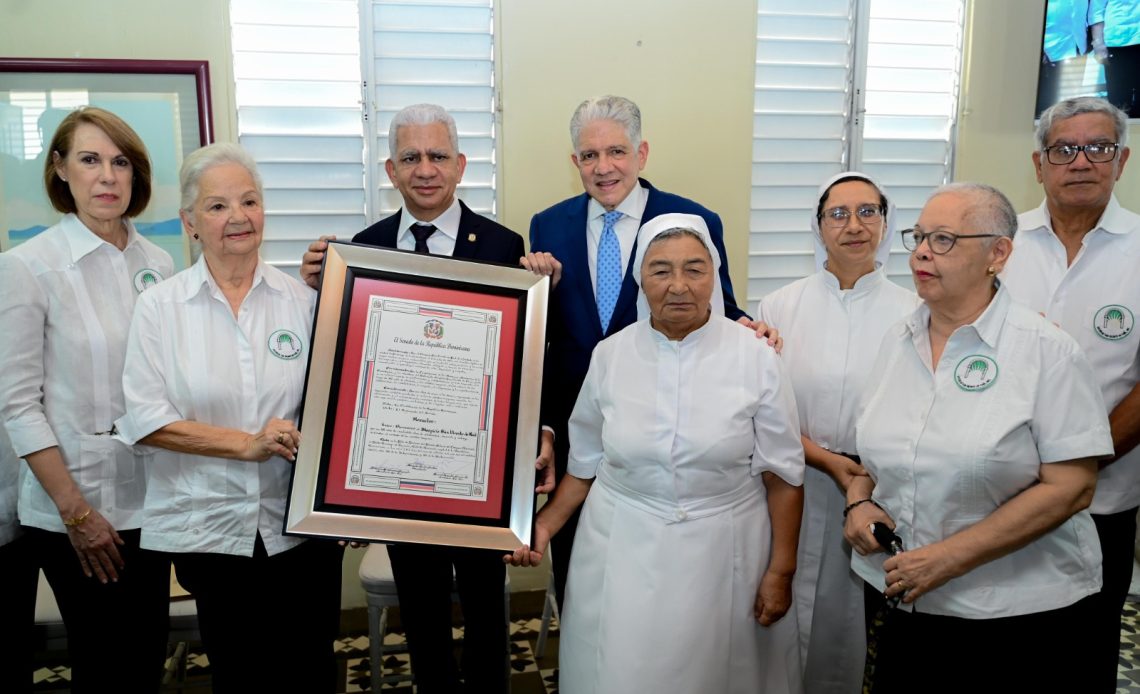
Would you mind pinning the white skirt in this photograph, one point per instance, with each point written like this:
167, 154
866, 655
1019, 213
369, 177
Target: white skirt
666, 607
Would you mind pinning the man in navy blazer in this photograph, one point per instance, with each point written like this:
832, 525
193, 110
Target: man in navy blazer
425, 165
609, 154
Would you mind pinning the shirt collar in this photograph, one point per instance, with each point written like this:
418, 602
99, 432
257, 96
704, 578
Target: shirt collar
81, 240
864, 284
633, 206
447, 223
987, 326
1112, 220
199, 279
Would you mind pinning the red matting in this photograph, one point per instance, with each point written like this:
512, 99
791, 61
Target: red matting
335, 491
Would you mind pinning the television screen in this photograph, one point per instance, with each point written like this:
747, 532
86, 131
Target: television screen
1091, 48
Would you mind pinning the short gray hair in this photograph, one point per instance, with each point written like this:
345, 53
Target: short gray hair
616, 108
989, 211
201, 160
421, 114
1063, 110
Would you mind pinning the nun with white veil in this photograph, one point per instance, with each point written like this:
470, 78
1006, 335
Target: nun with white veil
685, 449
833, 322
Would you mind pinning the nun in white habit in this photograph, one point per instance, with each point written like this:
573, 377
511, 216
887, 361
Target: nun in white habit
833, 322
685, 448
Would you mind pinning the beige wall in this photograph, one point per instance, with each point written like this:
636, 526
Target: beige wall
995, 128
688, 65
128, 29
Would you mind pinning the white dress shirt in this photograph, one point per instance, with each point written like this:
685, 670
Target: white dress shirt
440, 243
189, 358
632, 208
948, 445
66, 298
1081, 298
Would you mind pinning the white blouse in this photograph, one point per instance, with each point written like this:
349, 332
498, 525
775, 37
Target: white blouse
684, 423
831, 338
190, 358
947, 446
66, 299
1096, 300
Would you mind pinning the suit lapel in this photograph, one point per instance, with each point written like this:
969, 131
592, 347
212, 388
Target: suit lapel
577, 256
468, 235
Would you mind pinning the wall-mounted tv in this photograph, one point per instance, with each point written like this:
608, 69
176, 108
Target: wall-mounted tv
1090, 48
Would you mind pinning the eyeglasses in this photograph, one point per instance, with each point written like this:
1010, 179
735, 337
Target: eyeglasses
940, 242
1096, 153
838, 216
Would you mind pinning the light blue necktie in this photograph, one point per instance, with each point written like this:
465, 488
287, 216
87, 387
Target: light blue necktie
609, 269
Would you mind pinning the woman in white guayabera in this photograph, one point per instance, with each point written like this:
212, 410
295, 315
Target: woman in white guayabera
215, 369
980, 430
66, 298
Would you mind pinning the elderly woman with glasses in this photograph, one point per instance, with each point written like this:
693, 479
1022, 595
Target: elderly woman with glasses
841, 311
215, 369
685, 449
980, 430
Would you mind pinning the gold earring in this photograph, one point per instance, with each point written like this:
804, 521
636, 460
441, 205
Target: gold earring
991, 271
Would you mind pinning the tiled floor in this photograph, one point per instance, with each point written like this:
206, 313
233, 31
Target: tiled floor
530, 674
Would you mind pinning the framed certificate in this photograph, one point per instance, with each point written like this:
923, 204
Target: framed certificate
420, 419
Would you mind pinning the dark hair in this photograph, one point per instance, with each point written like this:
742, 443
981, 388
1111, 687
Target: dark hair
121, 134
847, 179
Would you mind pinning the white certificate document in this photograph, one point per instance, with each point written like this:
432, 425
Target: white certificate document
426, 400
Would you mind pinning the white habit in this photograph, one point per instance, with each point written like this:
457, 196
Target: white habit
831, 337
675, 534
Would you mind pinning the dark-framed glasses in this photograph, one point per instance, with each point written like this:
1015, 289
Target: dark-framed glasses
1096, 153
838, 216
940, 242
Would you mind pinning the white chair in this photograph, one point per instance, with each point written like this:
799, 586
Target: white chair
549, 609
380, 593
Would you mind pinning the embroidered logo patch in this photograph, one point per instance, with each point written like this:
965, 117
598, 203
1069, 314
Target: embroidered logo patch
145, 279
284, 344
975, 372
1113, 322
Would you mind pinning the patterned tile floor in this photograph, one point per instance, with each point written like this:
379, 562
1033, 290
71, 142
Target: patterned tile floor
529, 674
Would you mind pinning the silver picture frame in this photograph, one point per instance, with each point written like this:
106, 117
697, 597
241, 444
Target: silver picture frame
313, 510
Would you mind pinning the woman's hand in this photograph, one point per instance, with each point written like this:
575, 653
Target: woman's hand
857, 527
773, 597
843, 470
919, 571
96, 544
279, 437
527, 556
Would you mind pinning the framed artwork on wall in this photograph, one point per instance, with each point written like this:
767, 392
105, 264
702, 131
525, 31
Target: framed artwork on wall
167, 102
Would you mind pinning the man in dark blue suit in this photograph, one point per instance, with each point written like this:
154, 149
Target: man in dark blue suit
425, 165
569, 241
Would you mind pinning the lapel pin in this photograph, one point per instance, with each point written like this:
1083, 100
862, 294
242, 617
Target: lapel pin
471, 237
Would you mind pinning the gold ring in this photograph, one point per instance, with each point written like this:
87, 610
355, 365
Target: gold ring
280, 437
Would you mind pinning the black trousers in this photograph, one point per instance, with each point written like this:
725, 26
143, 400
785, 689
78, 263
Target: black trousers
1117, 532
1039, 652
116, 632
268, 622
423, 576
1122, 77
19, 574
